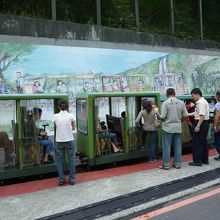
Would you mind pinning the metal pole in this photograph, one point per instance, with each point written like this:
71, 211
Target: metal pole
98, 12
172, 16
137, 14
201, 20
53, 8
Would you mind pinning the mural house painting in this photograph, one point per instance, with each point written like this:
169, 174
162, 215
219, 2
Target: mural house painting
70, 70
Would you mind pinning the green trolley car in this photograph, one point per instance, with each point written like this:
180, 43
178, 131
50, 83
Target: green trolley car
118, 112
21, 150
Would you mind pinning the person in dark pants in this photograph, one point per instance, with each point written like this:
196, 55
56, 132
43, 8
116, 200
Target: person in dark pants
201, 128
216, 126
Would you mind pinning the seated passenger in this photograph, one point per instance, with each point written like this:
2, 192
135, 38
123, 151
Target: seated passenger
45, 141
113, 137
8, 148
39, 135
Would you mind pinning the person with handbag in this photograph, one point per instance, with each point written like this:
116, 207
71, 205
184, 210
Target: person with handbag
150, 126
172, 111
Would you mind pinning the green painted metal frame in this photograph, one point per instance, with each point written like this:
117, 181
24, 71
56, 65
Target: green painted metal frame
86, 142
20, 170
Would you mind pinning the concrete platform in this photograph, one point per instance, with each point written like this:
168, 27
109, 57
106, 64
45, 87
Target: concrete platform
59, 199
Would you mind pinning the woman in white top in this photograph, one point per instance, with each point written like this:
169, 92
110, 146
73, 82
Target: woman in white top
64, 124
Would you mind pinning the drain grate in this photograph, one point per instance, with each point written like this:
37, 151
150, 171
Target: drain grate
126, 201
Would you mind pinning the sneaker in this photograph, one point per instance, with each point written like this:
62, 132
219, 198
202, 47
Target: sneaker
72, 182
61, 182
152, 161
217, 158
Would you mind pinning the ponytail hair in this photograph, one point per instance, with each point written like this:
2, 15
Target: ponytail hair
147, 106
63, 105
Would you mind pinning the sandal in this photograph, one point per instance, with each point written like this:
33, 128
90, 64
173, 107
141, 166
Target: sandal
164, 167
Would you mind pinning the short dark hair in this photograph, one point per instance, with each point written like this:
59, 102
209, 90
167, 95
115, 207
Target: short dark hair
63, 104
196, 91
37, 111
170, 92
218, 93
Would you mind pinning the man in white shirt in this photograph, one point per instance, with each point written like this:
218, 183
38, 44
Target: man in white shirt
217, 125
64, 124
200, 144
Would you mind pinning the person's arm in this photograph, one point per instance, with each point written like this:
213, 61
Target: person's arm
158, 115
163, 113
216, 120
201, 119
138, 117
202, 111
191, 114
73, 123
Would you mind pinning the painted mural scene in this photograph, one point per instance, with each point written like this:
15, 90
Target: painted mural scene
70, 70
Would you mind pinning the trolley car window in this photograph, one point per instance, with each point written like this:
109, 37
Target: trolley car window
102, 106
117, 106
81, 111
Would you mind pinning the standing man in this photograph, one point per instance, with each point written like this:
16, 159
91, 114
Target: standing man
217, 125
64, 124
201, 128
172, 111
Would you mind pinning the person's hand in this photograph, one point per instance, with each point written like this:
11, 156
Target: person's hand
43, 133
215, 129
197, 129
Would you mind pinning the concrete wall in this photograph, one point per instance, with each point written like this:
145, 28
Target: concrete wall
68, 33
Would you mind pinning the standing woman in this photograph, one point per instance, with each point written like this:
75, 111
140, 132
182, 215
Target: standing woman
150, 116
64, 124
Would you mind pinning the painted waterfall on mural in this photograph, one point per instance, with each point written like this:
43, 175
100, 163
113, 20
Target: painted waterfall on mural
26, 68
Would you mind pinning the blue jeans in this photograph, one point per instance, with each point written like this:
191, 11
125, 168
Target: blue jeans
153, 143
167, 140
217, 141
60, 160
114, 138
48, 146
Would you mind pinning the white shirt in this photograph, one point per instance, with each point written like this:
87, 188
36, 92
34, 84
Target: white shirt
63, 121
202, 108
217, 106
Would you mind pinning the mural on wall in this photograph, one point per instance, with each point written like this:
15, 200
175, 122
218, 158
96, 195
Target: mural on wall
28, 69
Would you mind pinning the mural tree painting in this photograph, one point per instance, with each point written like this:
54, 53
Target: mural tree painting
10, 54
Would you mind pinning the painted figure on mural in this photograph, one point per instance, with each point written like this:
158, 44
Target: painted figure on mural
116, 85
3, 88
61, 87
37, 88
89, 87
18, 82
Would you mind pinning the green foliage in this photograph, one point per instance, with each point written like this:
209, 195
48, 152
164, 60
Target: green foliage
154, 15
